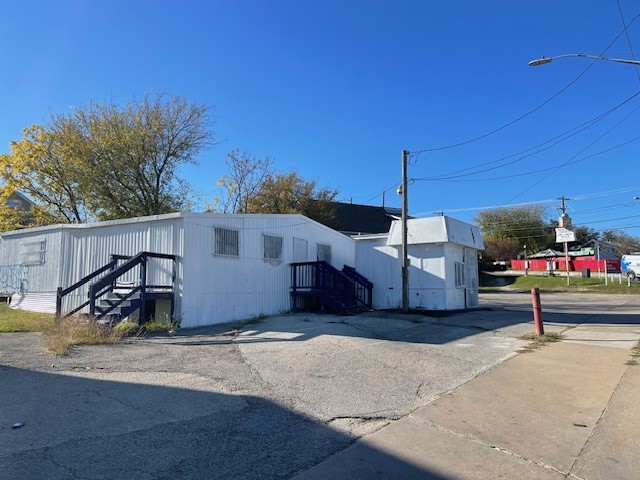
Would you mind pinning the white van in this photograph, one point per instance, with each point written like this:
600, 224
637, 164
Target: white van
630, 265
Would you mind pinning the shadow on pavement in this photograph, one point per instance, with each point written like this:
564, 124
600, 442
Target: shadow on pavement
413, 328
147, 425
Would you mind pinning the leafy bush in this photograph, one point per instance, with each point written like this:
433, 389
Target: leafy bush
126, 329
159, 326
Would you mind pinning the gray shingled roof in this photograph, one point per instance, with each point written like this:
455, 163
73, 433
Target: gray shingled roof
364, 219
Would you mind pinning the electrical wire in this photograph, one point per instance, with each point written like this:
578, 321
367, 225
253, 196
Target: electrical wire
533, 172
581, 197
523, 116
560, 138
571, 159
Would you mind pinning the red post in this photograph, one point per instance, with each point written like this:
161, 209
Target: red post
537, 311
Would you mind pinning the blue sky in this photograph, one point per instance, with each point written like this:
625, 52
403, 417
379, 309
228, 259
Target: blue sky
337, 89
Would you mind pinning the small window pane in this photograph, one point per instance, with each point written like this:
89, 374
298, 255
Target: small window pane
460, 282
33, 253
226, 242
272, 246
324, 253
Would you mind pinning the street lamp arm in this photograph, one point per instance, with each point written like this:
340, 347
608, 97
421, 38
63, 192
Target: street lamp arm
545, 60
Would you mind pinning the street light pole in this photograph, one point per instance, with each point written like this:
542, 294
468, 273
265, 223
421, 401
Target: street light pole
545, 60
405, 255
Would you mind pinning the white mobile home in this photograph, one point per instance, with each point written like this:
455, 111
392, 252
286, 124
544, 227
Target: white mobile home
226, 267
443, 264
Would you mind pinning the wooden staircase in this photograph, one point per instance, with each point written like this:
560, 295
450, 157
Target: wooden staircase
110, 299
318, 286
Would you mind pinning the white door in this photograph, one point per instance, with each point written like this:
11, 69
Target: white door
300, 250
471, 277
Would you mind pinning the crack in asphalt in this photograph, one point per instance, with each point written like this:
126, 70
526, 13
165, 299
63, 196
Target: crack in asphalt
497, 448
366, 418
117, 400
46, 456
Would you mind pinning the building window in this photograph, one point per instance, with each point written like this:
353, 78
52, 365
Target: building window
33, 253
272, 249
324, 253
460, 283
227, 242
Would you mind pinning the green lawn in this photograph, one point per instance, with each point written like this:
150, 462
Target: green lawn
21, 321
495, 283
58, 338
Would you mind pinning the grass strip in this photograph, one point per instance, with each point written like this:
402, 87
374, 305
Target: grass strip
499, 283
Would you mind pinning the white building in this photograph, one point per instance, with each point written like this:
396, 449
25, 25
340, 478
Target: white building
228, 267
232, 267
443, 264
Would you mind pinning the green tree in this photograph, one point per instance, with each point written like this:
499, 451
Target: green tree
106, 161
507, 230
585, 234
290, 193
43, 167
623, 242
501, 249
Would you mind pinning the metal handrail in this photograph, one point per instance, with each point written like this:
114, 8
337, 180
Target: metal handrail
108, 283
335, 288
78, 284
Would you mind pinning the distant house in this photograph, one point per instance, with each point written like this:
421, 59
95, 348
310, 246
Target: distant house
443, 264
20, 201
20, 212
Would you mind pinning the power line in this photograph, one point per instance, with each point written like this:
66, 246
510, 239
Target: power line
560, 138
523, 116
586, 196
415, 154
571, 159
533, 172
606, 208
607, 193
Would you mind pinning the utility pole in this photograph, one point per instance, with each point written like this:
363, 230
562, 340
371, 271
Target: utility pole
405, 253
565, 222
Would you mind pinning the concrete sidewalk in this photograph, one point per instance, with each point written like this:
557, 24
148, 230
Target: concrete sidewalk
567, 410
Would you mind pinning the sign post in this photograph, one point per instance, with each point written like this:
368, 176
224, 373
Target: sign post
564, 235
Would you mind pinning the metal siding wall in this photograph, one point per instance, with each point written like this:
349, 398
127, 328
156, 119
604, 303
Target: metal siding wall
40, 278
72, 253
35, 302
426, 277
222, 289
381, 264
91, 248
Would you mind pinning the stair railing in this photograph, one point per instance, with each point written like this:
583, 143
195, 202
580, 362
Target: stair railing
63, 292
334, 288
108, 282
363, 287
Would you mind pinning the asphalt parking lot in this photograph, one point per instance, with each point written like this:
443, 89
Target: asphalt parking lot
263, 400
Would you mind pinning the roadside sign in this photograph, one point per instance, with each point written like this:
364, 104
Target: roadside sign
563, 235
